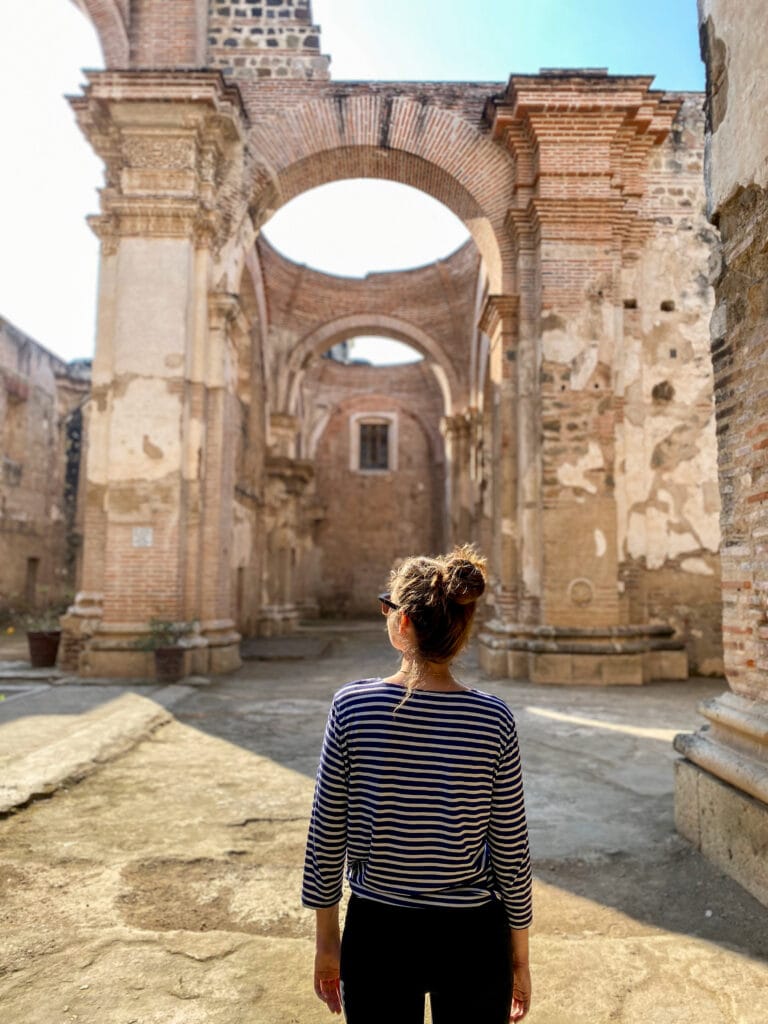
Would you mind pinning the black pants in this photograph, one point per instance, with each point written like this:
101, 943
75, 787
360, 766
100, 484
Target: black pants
392, 956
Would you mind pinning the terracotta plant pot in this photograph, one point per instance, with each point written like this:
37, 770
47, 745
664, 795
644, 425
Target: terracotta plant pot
169, 664
43, 647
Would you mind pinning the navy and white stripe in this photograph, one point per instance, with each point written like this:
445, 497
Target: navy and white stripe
425, 802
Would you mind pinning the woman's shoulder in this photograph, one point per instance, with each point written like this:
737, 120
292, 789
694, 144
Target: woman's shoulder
358, 689
495, 706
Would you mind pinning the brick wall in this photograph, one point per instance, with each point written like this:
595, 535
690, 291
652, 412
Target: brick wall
39, 526
169, 34
370, 519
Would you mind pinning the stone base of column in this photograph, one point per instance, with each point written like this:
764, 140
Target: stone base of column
278, 619
721, 789
597, 656
111, 652
77, 628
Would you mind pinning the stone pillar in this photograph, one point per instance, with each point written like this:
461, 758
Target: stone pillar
457, 431
498, 320
580, 142
158, 475
721, 796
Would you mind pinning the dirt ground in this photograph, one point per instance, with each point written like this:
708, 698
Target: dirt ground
163, 889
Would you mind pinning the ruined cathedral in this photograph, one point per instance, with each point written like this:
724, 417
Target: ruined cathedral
563, 415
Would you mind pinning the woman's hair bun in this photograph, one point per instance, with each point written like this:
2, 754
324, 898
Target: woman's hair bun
465, 575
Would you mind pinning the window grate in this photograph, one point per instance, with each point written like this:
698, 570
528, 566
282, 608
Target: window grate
374, 446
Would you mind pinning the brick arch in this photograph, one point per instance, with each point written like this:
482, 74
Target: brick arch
343, 328
109, 18
356, 133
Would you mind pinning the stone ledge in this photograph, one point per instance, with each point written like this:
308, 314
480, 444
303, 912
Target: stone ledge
603, 655
95, 737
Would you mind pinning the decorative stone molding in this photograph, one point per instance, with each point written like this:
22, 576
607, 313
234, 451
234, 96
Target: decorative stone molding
581, 141
601, 655
734, 746
499, 313
172, 147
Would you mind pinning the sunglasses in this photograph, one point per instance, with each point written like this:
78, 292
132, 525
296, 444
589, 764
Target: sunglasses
387, 604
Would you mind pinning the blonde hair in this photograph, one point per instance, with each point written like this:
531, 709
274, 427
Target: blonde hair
439, 596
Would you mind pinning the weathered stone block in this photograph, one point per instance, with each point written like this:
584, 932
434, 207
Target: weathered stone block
588, 669
729, 827
623, 670
687, 801
551, 668
493, 662
224, 659
517, 664
666, 665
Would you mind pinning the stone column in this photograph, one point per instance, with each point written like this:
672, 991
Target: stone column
158, 479
457, 430
721, 794
580, 141
287, 511
499, 321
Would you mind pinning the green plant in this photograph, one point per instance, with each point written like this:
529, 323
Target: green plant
46, 620
165, 633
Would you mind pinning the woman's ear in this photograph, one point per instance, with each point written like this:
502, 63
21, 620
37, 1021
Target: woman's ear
404, 623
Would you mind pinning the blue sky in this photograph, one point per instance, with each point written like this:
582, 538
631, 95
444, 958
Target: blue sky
48, 175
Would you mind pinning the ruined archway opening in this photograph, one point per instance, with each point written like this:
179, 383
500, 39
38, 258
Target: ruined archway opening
373, 350
361, 226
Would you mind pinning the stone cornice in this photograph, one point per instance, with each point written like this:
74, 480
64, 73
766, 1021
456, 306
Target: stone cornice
207, 87
581, 142
499, 312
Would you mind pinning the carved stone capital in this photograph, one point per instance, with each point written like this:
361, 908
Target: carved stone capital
173, 152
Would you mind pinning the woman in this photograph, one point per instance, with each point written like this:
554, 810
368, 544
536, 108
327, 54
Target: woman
419, 789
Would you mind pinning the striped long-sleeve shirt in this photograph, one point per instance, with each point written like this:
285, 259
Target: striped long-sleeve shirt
425, 802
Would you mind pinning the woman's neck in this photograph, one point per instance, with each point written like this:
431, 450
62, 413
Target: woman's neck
430, 675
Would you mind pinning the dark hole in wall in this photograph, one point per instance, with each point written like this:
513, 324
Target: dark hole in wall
667, 306
663, 392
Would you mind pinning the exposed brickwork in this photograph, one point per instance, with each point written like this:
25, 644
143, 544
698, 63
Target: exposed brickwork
426, 135
430, 308
739, 350
371, 519
39, 525
110, 19
170, 34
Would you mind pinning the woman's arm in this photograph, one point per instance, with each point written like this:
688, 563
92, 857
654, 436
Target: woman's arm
327, 952
324, 861
327, 839
521, 973
508, 838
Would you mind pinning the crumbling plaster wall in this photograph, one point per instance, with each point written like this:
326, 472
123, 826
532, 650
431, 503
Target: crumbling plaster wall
662, 446
668, 499
39, 526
